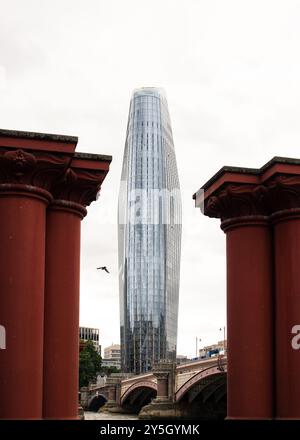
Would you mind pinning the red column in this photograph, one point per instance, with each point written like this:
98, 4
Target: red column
249, 318
61, 339
287, 258
274, 191
33, 165
22, 256
77, 189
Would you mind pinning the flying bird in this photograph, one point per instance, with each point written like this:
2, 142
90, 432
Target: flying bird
103, 268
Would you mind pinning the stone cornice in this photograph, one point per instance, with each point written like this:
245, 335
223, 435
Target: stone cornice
243, 192
160, 375
38, 136
95, 157
49, 163
244, 171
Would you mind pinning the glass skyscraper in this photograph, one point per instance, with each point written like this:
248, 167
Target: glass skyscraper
149, 235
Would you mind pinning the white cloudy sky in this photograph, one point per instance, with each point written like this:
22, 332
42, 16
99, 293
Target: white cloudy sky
231, 72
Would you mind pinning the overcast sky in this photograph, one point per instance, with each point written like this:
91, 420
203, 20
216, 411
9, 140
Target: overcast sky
231, 73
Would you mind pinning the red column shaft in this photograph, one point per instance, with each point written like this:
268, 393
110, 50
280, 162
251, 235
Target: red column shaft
287, 257
249, 318
22, 265
61, 340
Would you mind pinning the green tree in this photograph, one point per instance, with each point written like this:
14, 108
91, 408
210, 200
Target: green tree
89, 364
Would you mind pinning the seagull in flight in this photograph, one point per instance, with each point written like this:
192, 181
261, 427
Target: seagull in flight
103, 268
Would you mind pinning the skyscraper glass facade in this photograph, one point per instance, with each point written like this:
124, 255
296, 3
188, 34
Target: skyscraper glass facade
149, 235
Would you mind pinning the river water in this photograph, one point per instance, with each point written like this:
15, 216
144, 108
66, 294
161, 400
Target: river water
88, 415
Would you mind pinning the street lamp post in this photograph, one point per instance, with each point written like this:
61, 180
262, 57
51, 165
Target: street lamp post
197, 340
224, 338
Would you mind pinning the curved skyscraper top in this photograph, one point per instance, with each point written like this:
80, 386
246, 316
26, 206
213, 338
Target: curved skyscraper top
149, 235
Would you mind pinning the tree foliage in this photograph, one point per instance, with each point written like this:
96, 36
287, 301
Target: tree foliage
89, 364
109, 370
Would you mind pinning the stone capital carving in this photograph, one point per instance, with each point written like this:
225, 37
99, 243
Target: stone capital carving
281, 192
237, 200
71, 181
78, 185
284, 192
40, 169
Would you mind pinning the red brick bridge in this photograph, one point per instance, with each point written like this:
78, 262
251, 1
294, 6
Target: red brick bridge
195, 388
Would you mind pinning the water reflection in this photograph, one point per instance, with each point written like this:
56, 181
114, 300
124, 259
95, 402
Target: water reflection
88, 415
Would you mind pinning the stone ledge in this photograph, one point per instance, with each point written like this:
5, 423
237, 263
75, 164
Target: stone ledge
38, 135
160, 409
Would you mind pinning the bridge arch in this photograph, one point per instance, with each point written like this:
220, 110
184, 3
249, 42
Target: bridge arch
96, 402
136, 386
138, 395
204, 394
213, 373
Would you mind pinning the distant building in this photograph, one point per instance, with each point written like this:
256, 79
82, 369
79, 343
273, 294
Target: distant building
111, 363
112, 352
149, 235
112, 356
181, 359
202, 353
213, 349
90, 334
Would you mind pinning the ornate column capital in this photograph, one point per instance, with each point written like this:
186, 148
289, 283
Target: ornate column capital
161, 375
80, 184
30, 172
238, 204
284, 197
46, 166
241, 193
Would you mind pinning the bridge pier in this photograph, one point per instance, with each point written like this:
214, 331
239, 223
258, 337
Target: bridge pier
260, 214
163, 406
236, 197
249, 295
44, 190
22, 224
61, 341
162, 378
113, 403
84, 397
249, 316
75, 191
29, 166
112, 393
287, 280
